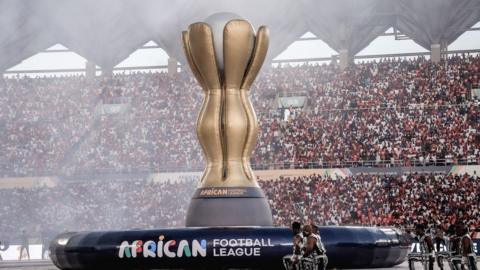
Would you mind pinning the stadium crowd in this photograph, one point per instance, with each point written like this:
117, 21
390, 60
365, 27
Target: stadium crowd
403, 200
94, 205
387, 113
40, 119
437, 199
384, 113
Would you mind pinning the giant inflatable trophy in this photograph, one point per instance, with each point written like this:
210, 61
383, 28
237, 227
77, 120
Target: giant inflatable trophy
230, 214
225, 55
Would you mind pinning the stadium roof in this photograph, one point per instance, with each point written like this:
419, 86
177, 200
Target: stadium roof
107, 31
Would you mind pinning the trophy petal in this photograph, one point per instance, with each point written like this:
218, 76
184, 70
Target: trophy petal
191, 63
203, 54
238, 40
209, 122
259, 54
198, 76
238, 43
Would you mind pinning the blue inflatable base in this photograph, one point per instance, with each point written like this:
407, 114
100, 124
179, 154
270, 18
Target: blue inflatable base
223, 248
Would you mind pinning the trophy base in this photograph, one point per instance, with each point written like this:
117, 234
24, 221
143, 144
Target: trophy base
228, 206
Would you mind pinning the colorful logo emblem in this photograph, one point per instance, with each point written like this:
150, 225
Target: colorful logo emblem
163, 248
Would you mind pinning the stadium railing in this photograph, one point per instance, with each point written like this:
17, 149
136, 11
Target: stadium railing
261, 166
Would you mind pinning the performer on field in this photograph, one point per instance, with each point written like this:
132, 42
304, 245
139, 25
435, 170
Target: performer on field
45, 245
308, 250
316, 233
3, 247
311, 258
291, 262
297, 240
426, 249
466, 247
24, 245
313, 246
440, 245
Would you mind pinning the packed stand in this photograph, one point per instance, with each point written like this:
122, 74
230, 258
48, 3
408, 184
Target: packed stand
404, 200
401, 113
40, 119
95, 205
387, 113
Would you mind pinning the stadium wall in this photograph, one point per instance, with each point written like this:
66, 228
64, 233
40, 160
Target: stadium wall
263, 175
28, 182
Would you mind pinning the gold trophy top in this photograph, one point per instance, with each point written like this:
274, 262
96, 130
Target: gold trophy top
225, 56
